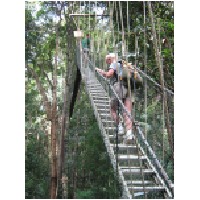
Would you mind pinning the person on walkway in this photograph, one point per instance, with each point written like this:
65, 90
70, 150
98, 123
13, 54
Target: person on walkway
126, 97
86, 43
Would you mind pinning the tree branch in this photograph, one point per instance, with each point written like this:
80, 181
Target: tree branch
49, 81
47, 104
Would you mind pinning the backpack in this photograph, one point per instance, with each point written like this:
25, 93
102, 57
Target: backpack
88, 42
135, 83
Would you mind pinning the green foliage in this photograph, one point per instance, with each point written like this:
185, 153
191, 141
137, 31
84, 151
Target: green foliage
39, 51
28, 18
36, 169
166, 52
170, 170
85, 194
40, 13
95, 175
164, 16
170, 26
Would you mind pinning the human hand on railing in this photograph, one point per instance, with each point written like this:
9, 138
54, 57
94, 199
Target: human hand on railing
98, 70
101, 71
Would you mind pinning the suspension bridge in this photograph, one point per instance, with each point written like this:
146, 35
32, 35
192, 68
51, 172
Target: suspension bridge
144, 167
140, 172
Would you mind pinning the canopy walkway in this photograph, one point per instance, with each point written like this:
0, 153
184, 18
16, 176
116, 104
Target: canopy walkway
136, 165
139, 166
143, 168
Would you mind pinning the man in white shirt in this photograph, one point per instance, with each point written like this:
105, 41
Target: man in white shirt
113, 74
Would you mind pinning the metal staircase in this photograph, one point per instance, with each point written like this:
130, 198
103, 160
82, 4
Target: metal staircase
138, 175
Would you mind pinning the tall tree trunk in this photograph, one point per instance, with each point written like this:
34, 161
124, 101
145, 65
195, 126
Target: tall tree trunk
75, 172
66, 106
54, 127
75, 169
159, 65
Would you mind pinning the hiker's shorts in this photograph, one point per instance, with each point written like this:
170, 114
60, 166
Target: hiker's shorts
121, 93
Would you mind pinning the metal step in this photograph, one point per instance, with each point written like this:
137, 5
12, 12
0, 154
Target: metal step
124, 146
96, 89
97, 93
139, 194
135, 163
91, 81
104, 111
139, 182
101, 101
147, 189
106, 105
107, 121
93, 84
106, 116
99, 97
148, 195
110, 128
131, 157
111, 136
102, 105
152, 192
136, 171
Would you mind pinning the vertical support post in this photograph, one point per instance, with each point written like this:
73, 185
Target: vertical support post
145, 71
136, 63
